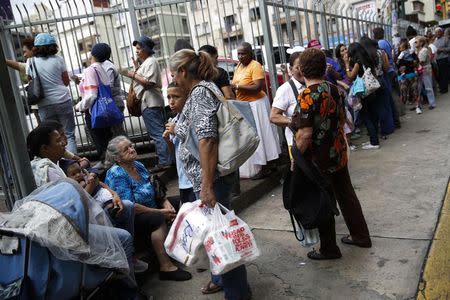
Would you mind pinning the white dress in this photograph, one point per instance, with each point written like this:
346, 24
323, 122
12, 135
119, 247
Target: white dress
269, 145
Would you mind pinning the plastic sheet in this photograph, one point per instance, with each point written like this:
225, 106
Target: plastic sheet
64, 218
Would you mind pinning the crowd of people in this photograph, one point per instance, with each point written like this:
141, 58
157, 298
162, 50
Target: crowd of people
321, 107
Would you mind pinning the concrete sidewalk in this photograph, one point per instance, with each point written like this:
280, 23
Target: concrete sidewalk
401, 188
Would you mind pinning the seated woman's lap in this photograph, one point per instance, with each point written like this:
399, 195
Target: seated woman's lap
146, 223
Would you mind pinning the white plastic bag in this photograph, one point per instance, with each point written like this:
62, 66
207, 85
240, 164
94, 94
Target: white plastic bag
185, 239
229, 242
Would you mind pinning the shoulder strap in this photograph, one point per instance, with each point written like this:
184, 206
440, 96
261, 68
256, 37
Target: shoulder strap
294, 88
33, 68
220, 97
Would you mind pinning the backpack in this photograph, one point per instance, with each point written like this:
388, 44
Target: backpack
238, 138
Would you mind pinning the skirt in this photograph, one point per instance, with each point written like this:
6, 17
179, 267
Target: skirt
269, 144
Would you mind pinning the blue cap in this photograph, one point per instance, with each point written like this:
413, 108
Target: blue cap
44, 39
146, 43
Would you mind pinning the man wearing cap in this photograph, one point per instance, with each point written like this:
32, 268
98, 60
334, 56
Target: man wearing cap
147, 85
443, 49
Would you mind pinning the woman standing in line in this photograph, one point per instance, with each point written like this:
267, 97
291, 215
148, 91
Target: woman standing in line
52, 72
193, 71
356, 60
93, 76
147, 84
426, 78
248, 84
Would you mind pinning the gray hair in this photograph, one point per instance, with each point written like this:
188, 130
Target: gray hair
247, 47
112, 151
437, 29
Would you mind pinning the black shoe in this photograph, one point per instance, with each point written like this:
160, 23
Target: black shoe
177, 275
431, 107
316, 255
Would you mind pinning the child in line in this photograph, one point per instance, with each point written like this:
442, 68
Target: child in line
177, 98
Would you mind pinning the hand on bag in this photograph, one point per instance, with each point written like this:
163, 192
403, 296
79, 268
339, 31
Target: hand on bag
208, 197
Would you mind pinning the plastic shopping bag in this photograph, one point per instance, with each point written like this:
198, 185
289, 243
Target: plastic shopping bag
229, 242
185, 239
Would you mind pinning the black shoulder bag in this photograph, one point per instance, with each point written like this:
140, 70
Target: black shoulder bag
307, 193
34, 89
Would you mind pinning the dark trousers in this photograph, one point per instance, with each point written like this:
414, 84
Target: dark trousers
390, 84
351, 212
444, 68
370, 115
100, 136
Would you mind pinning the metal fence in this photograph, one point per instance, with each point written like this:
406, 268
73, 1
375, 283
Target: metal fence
271, 26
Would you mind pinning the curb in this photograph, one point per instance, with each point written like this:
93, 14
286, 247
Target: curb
435, 278
253, 190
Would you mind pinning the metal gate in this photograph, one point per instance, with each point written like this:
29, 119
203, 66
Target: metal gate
270, 26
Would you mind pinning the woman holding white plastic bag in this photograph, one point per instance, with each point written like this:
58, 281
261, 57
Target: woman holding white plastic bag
189, 68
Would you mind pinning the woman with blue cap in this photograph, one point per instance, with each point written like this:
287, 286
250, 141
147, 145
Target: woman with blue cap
147, 85
51, 69
89, 92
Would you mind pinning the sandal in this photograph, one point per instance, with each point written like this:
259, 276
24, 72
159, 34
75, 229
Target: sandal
316, 255
349, 241
211, 288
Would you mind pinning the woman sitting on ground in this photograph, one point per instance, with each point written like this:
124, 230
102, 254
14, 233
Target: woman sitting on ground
45, 148
130, 179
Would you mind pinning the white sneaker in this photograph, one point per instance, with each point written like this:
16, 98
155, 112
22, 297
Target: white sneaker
418, 110
365, 143
140, 266
370, 147
353, 148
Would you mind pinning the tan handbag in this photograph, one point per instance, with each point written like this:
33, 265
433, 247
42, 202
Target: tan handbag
134, 101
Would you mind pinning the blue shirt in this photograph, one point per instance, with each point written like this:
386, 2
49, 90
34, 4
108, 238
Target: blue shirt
335, 65
138, 191
386, 46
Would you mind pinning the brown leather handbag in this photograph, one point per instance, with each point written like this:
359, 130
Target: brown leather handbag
134, 101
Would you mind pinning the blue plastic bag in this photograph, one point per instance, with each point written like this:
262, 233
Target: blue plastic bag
104, 111
358, 87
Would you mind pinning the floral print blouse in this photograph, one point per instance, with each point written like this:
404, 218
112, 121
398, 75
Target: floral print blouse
322, 108
137, 191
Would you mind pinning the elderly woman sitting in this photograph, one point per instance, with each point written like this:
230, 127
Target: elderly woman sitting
130, 179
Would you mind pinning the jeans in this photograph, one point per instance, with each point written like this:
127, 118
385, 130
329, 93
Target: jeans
154, 122
234, 282
427, 81
385, 108
63, 113
390, 84
125, 219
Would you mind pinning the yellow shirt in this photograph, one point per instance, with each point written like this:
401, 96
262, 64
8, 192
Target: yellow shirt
246, 75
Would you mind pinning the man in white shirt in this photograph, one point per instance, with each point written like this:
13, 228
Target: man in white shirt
285, 100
